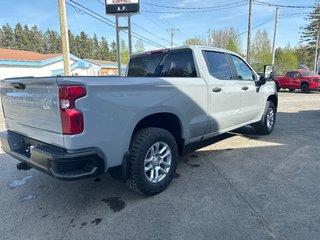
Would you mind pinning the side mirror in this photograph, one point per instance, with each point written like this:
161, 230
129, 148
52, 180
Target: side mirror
268, 72
261, 81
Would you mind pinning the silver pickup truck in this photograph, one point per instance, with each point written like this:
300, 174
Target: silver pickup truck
134, 127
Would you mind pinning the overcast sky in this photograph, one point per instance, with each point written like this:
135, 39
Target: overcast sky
158, 20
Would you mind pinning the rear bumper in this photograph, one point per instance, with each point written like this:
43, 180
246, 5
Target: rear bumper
57, 162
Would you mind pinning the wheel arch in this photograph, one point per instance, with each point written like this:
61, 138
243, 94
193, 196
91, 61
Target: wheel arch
165, 120
274, 99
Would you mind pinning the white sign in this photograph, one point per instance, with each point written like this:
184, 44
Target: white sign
122, 7
115, 2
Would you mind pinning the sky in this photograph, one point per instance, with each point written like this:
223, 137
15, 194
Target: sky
154, 22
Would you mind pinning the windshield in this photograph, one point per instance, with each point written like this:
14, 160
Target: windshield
306, 74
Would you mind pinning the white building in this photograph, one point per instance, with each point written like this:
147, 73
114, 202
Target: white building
17, 63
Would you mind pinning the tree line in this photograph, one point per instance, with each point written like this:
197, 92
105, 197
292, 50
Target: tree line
81, 45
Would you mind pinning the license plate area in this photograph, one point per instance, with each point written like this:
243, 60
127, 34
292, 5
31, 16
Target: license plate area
22, 145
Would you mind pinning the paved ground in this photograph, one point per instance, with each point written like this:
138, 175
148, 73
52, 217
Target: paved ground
243, 187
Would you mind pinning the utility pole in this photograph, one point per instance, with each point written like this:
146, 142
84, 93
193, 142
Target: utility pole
209, 38
317, 49
64, 36
172, 33
275, 36
317, 44
249, 32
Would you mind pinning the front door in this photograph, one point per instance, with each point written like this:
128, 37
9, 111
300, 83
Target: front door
225, 97
251, 99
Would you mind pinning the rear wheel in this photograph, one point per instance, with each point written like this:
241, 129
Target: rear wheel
267, 123
153, 160
305, 88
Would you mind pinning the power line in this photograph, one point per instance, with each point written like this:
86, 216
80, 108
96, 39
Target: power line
257, 26
150, 32
281, 5
193, 8
139, 26
111, 23
165, 23
202, 11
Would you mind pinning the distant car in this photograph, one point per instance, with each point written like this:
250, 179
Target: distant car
299, 79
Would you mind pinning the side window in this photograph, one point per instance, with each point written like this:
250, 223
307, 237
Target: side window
144, 65
243, 70
178, 64
291, 74
218, 65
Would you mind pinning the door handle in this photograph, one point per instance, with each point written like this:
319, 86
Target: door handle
217, 89
245, 88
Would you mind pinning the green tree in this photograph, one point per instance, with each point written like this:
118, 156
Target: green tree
261, 53
72, 44
139, 47
228, 38
113, 51
84, 46
104, 49
52, 42
96, 47
285, 59
305, 56
21, 40
309, 35
124, 52
36, 40
195, 41
232, 46
7, 37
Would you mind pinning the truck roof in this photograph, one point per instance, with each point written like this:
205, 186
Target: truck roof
193, 47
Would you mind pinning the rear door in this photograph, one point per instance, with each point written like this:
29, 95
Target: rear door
31, 108
290, 79
224, 92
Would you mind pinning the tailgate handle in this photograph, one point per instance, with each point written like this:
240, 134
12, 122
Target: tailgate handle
20, 86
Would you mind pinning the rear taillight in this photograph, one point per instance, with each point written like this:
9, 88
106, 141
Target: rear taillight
71, 118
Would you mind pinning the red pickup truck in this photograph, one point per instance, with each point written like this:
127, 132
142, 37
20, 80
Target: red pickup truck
299, 79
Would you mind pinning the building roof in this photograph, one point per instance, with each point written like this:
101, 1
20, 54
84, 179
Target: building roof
104, 63
21, 55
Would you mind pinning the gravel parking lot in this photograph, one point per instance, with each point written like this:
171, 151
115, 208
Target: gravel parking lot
244, 186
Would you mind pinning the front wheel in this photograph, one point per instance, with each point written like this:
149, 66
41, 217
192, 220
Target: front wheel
266, 124
305, 88
277, 87
153, 160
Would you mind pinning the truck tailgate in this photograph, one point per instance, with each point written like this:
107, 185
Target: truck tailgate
31, 108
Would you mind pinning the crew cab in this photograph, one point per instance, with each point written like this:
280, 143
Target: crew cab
299, 79
134, 127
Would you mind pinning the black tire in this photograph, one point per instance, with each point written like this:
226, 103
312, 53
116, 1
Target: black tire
291, 90
305, 88
141, 143
266, 124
